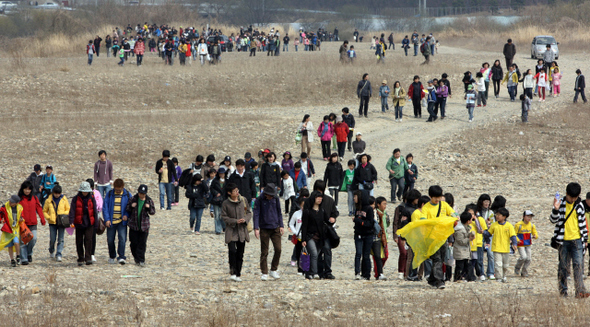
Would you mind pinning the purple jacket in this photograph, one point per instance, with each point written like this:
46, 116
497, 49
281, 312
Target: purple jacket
178, 173
267, 213
442, 91
287, 165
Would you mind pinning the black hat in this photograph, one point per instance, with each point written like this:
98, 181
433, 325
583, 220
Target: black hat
269, 189
166, 154
142, 189
248, 155
37, 167
227, 158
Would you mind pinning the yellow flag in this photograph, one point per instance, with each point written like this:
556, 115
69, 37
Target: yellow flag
426, 236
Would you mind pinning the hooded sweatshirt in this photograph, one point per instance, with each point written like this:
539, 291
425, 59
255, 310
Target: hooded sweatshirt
364, 219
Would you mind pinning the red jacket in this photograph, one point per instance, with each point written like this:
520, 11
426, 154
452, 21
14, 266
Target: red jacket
31, 208
341, 132
88, 46
411, 91
4, 217
139, 48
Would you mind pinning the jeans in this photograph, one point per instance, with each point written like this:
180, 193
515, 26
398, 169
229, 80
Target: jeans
487, 84
219, 224
103, 190
176, 193
512, 92
363, 245
326, 149
470, 110
406, 51
341, 149
397, 183
384, 104
54, 231
285, 47
121, 231
196, 214
122, 62
313, 253
351, 208
371, 192
296, 48
267, 236
166, 189
325, 259
139, 59
490, 270
409, 186
524, 261
442, 102
138, 244
334, 193
436, 274
364, 105
26, 250
415, 49
571, 251
236, 257
399, 112
581, 91
529, 92
431, 111
479, 262
90, 58
182, 58
432, 49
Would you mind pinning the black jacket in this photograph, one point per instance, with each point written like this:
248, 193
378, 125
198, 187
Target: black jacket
364, 90
580, 82
196, 195
509, 50
328, 205
245, 184
314, 223
217, 189
334, 174
349, 120
364, 219
497, 73
367, 174
270, 174
36, 181
171, 170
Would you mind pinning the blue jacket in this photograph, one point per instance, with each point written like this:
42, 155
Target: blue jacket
108, 205
382, 90
51, 179
267, 213
432, 95
301, 179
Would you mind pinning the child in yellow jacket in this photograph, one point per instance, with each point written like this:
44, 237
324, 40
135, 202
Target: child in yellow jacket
525, 232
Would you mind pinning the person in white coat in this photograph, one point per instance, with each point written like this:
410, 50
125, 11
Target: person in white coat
306, 130
295, 227
203, 51
287, 190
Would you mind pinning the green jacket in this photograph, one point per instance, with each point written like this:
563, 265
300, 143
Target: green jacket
399, 169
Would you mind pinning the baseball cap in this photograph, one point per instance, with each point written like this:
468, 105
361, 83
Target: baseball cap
248, 155
359, 133
142, 189
49, 167
227, 158
37, 167
528, 213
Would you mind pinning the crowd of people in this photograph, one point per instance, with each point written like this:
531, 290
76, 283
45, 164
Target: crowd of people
245, 196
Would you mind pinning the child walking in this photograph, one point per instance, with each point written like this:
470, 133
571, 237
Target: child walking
383, 94
347, 186
556, 82
541, 79
178, 173
478, 226
525, 232
504, 237
10, 214
461, 248
525, 106
481, 90
470, 101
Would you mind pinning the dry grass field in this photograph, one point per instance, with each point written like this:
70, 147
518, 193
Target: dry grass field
60, 111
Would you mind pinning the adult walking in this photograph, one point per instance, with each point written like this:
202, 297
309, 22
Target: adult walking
236, 213
115, 219
343, 52
364, 92
397, 168
244, 181
348, 118
497, 76
571, 235
509, 52
579, 86
96, 42
268, 227
399, 100
141, 208
84, 216
313, 231
365, 175
364, 233
103, 173
306, 130
166, 179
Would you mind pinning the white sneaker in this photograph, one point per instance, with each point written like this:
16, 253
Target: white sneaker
275, 274
382, 277
396, 119
93, 259
58, 258
316, 276
357, 277
504, 280
470, 120
482, 278
299, 274
52, 255
112, 261
264, 277
233, 277
400, 275
238, 279
400, 120
122, 261
492, 277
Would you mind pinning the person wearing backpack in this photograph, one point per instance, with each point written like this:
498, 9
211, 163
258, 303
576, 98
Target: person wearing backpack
115, 220
425, 50
48, 181
196, 194
56, 205
363, 92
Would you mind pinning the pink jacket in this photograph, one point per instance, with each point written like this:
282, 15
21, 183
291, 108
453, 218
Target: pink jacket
98, 199
556, 78
329, 133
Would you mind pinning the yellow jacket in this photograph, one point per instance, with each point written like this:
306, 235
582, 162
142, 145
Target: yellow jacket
49, 209
401, 99
514, 78
182, 48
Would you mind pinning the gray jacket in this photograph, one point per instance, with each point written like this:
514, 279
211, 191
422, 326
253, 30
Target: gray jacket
462, 248
549, 56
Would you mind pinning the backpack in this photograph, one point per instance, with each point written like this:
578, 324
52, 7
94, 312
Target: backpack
423, 47
185, 178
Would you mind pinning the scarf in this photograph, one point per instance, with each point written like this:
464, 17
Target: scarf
325, 129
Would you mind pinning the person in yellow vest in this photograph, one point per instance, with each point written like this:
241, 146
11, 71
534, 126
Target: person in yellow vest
504, 237
10, 214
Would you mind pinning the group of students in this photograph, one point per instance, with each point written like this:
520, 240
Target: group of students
96, 208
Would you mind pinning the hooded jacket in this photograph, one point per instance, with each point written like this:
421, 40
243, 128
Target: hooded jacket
334, 175
196, 195
364, 219
341, 132
133, 222
63, 208
31, 208
108, 206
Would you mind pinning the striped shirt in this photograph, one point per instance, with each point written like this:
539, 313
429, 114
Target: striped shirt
558, 217
117, 217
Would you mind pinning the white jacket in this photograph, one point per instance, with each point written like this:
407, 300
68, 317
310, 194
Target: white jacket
288, 188
310, 130
481, 86
528, 82
202, 49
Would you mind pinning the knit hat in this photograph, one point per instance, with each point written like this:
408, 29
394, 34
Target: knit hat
14, 199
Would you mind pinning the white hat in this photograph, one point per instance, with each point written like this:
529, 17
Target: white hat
358, 133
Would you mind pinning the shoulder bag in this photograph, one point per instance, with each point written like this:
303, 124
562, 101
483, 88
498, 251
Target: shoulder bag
554, 243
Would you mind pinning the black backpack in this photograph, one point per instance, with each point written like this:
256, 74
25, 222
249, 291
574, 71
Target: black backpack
185, 178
